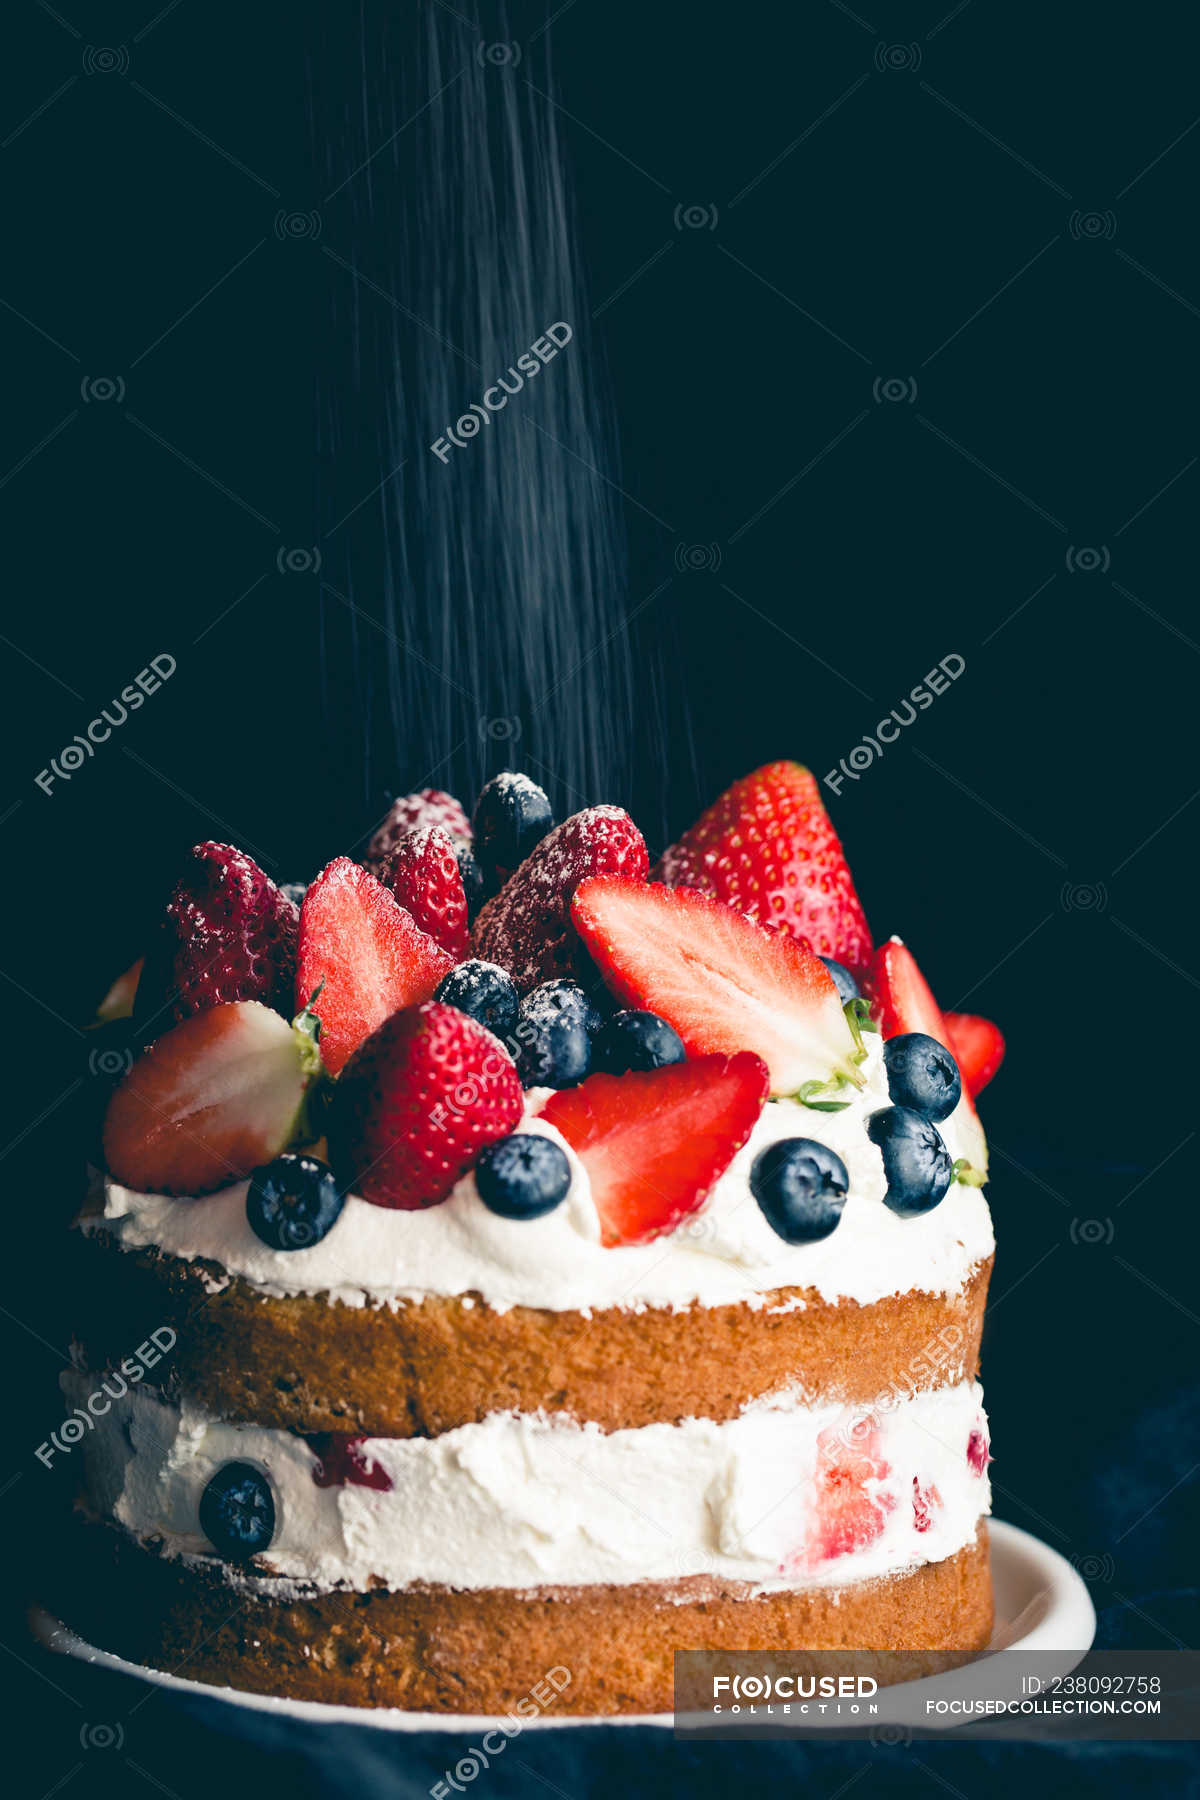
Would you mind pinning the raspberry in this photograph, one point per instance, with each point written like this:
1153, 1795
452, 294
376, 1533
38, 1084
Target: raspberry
229, 934
413, 812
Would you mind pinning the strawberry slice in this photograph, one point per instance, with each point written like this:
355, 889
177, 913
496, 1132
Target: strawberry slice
900, 996
367, 955
119, 1000
979, 1453
418, 1102
903, 1001
768, 847
211, 1100
926, 1501
848, 1515
724, 983
654, 1144
422, 873
343, 1462
978, 1048
527, 927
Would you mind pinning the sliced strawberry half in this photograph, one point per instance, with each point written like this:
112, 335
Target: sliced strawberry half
724, 983
211, 1100
365, 953
901, 998
655, 1143
768, 847
978, 1048
903, 1001
850, 1512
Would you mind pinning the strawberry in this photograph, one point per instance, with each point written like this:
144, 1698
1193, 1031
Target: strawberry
723, 982
118, 1002
422, 873
418, 1102
211, 1100
925, 1502
903, 1001
527, 927
365, 953
978, 1048
767, 846
343, 1462
979, 1453
654, 1143
901, 998
229, 934
848, 1515
416, 812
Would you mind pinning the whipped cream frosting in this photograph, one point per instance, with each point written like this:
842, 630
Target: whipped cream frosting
525, 1500
724, 1253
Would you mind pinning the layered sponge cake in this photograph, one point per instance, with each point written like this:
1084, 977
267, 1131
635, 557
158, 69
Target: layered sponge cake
591, 1276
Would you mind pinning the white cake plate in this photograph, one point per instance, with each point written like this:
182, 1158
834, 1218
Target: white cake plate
1041, 1604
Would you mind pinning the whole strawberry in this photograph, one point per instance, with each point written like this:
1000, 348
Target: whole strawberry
768, 847
414, 812
417, 1103
527, 927
229, 934
422, 873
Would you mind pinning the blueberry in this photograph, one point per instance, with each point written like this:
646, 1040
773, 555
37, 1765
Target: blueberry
483, 990
921, 1073
843, 980
523, 1176
472, 880
637, 1040
293, 1202
294, 890
512, 815
237, 1511
569, 997
553, 1038
916, 1162
801, 1187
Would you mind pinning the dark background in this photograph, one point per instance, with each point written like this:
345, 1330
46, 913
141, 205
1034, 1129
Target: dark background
898, 316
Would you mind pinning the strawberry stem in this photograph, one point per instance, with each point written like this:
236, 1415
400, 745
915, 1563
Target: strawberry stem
308, 1011
306, 1030
808, 1094
858, 1018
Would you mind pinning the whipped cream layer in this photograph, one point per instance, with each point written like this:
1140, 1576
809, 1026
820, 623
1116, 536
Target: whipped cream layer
783, 1496
724, 1253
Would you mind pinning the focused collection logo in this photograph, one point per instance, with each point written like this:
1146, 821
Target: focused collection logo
531, 362
110, 718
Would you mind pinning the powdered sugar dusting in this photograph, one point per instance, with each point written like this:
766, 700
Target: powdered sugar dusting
414, 812
526, 928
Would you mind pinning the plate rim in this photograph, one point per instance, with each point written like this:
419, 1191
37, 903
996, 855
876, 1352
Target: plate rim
1065, 1626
